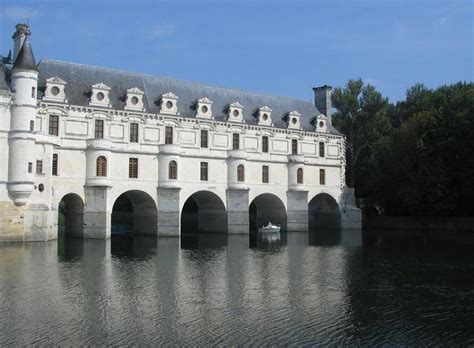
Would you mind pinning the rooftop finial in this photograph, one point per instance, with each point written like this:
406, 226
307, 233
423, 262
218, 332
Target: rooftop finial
19, 36
22, 29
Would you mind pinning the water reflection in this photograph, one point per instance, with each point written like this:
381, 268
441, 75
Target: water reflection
212, 241
130, 246
334, 237
70, 249
216, 291
267, 241
324, 237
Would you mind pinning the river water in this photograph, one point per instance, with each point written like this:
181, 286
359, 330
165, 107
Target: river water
299, 289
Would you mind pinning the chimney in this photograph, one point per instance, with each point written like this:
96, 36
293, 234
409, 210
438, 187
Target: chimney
22, 31
322, 100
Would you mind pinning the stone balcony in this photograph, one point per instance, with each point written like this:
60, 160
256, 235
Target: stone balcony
99, 144
237, 154
169, 149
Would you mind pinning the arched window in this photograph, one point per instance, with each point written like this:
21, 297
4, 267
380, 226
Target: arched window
101, 166
299, 176
173, 170
240, 173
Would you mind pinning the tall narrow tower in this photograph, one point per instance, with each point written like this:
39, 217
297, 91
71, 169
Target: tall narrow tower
24, 81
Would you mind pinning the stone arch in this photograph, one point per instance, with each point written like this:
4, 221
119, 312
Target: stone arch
71, 216
265, 208
134, 212
323, 212
203, 211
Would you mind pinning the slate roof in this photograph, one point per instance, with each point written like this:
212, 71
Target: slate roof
3, 77
25, 59
80, 78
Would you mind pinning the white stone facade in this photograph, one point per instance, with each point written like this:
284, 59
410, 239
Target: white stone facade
67, 131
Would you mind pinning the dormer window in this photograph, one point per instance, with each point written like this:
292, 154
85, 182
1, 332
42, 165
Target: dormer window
55, 90
235, 112
100, 95
264, 116
293, 121
169, 104
134, 100
204, 108
321, 123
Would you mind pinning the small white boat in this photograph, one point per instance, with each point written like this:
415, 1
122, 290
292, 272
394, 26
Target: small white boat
269, 228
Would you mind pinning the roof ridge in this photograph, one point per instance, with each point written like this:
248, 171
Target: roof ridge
174, 79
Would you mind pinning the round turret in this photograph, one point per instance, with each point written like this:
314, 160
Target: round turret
21, 164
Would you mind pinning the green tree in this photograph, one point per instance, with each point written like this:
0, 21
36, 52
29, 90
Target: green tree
432, 152
362, 115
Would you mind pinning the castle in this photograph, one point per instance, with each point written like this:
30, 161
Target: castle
92, 151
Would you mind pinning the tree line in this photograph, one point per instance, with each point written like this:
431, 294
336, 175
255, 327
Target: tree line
414, 157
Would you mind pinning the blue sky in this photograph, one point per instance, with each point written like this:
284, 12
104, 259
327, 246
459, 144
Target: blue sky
277, 47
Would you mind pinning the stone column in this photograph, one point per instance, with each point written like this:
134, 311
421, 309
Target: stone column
97, 212
351, 217
169, 223
237, 211
297, 215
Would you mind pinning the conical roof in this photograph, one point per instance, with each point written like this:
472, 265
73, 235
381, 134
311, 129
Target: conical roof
25, 59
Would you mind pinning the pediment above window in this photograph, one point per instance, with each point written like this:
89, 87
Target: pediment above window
100, 95
235, 112
169, 104
55, 90
264, 116
293, 120
204, 108
134, 99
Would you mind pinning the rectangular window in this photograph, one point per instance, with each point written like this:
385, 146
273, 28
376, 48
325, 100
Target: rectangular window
265, 174
99, 129
294, 146
204, 171
33, 92
134, 132
264, 144
54, 166
235, 141
168, 135
322, 177
53, 124
204, 136
133, 168
321, 149
32, 126
39, 167
30, 167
